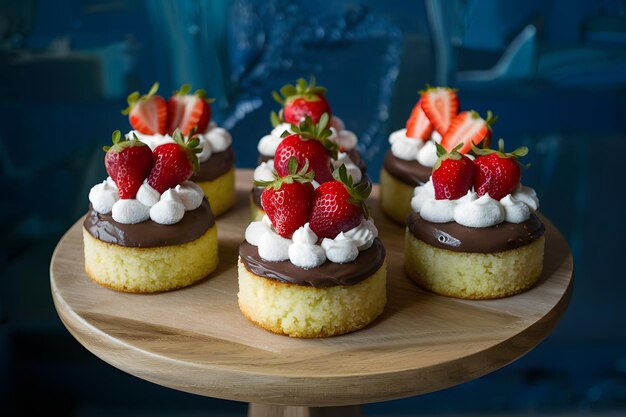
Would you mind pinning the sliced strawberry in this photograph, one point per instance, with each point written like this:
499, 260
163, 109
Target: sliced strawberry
308, 143
287, 200
418, 126
127, 162
148, 113
441, 105
186, 111
300, 101
497, 173
339, 205
174, 163
453, 174
468, 128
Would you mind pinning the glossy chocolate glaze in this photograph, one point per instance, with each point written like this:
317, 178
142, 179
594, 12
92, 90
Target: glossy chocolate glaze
409, 172
328, 274
149, 234
458, 238
218, 164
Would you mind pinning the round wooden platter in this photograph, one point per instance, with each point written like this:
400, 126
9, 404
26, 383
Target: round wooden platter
196, 340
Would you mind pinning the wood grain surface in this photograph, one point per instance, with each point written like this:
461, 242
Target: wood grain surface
196, 340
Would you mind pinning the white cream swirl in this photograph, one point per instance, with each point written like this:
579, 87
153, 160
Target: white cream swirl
265, 171
304, 252
190, 194
473, 211
103, 196
169, 210
147, 195
352, 169
130, 211
413, 149
268, 143
302, 249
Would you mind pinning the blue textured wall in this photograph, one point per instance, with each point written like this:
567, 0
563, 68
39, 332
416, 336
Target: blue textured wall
554, 71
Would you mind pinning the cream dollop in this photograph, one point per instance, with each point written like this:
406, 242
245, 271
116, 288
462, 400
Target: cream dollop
421, 194
254, 231
189, 193
103, 196
346, 139
268, 143
341, 249
265, 171
304, 252
438, 211
412, 149
169, 210
130, 211
478, 212
147, 195
528, 196
363, 235
273, 247
515, 211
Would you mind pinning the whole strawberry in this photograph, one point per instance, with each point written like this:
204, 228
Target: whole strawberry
186, 111
308, 143
300, 101
127, 162
148, 113
287, 200
338, 205
497, 173
453, 174
174, 163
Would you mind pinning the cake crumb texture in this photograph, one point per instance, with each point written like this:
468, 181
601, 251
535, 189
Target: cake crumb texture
306, 312
220, 192
147, 270
395, 197
473, 275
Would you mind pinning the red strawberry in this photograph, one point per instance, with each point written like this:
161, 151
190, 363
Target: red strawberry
287, 200
441, 105
186, 111
174, 162
300, 101
338, 205
453, 174
127, 162
497, 173
418, 126
468, 129
308, 143
148, 113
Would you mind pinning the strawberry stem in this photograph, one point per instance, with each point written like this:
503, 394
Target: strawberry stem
358, 193
304, 175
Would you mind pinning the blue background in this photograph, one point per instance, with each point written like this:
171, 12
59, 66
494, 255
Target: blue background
554, 72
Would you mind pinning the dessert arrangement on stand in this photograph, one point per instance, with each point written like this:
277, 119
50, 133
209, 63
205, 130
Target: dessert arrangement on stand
312, 263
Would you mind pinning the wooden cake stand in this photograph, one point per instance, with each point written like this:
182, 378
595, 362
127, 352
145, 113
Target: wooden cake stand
196, 340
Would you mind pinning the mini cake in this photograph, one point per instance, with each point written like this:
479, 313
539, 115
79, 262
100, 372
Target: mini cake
412, 154
154, 121
148, 228
313, 267
473, 232
298, 102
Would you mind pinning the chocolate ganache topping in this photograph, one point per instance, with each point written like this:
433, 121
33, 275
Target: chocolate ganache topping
218, 164
458, 238
409, 172
150, 234
328, 274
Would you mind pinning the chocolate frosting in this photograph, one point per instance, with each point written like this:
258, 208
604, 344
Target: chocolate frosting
409, 172
149, 234
328, 274
458, 238
218, 164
